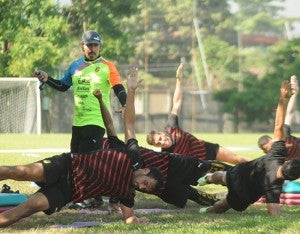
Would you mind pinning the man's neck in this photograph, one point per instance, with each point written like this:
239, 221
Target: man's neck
91, 60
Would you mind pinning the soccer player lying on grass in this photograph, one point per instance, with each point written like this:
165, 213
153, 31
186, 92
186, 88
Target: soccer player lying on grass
75, 177
247, 182
179, 171
175, 140
292, 143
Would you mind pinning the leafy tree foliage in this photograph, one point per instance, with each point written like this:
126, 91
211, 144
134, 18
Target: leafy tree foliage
257, 101
215, 18
259, 17
155, 35
32, 38
106, 17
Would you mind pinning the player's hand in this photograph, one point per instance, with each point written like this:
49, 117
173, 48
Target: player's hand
97, 93
179, 72
144, 220
294, 84
132, 81
134, 219
285, 90
41, 75
114, 208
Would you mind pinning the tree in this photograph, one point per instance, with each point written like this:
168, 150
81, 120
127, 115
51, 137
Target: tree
105, 17
259, 17
258, 99
32, 36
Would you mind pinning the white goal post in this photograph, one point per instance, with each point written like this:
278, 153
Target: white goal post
20, 105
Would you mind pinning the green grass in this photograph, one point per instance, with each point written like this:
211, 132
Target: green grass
187, 220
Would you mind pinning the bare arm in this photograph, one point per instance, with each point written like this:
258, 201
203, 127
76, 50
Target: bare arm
129, 217
291, 107
177, 98
273, 209
285, 94
129, 114
107, 119
129, 118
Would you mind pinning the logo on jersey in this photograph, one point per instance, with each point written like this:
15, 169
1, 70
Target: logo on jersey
97, 69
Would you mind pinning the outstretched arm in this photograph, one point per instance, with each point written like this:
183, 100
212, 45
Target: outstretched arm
285, 94
129, 118
129, 114
273, 209
291, 107
129, 217
177, 98
107, 119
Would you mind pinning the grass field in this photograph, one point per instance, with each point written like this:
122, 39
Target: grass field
20, 149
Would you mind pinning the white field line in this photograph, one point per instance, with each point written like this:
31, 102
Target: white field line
34, 152
232, 148
28, 152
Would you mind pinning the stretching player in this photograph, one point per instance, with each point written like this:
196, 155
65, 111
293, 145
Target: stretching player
180, 172
247, 182
75, 177
175, 140
292, 143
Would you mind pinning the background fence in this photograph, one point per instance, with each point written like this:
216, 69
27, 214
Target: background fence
200, 113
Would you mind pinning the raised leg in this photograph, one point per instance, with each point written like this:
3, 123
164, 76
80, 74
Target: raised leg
29, 172
225, 155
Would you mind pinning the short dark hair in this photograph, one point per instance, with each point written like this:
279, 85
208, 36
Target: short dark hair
158, 176
263, 140
291, 169
150, 137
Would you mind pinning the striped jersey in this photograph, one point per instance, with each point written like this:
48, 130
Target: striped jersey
184, 143
159, 160
292, 144
102, 173
151, 158
293, 147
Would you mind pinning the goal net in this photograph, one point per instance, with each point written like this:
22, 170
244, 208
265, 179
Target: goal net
20, 107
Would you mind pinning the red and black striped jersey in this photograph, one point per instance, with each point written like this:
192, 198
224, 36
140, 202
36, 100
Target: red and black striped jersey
150, 157
293, 147
186, 144
102, 173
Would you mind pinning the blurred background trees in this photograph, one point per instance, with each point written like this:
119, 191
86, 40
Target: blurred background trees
233, 49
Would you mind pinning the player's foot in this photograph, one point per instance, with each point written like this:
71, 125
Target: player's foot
203, 210
203, 180
78, 206
97, 202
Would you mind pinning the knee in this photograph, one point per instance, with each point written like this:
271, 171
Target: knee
219, 177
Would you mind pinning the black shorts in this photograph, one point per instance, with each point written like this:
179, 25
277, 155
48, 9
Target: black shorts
86, 138
57, 188
237, 196
186, 169
176, 194
211, 150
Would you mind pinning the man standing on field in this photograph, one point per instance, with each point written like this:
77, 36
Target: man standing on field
86, 74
